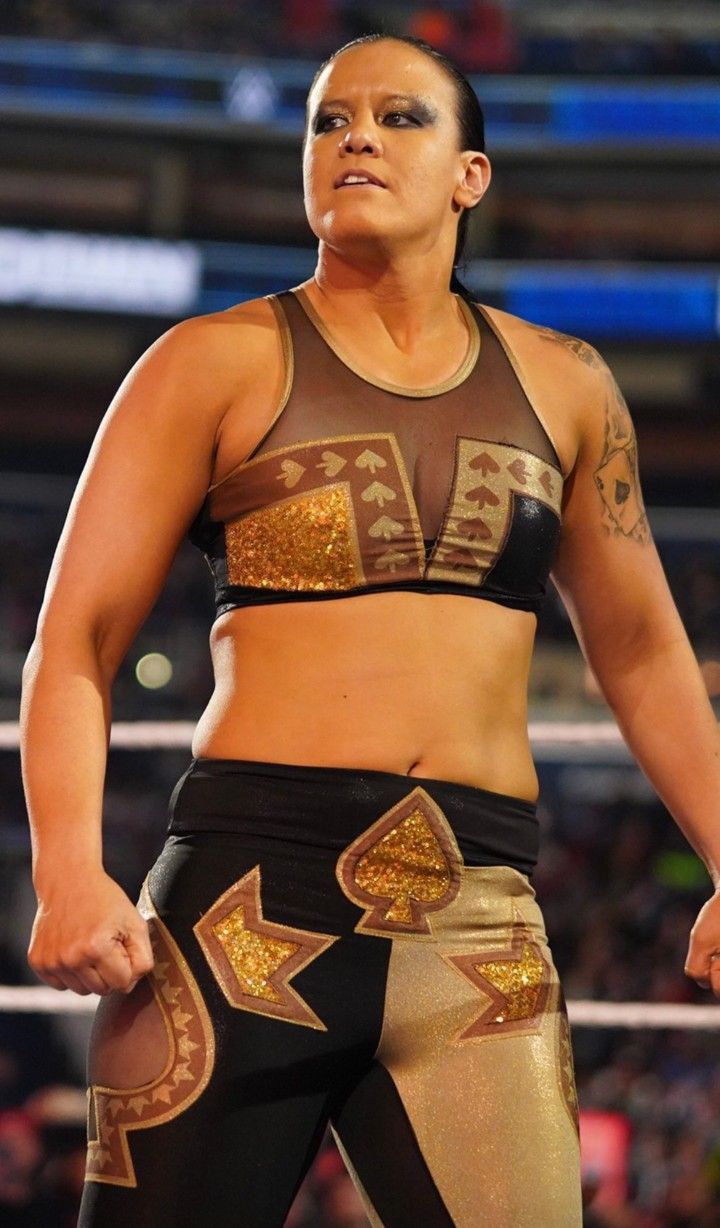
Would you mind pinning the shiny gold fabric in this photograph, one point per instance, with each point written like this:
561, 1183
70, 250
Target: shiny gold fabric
307, 542
482, 1060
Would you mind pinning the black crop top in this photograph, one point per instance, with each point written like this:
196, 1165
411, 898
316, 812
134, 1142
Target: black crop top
362, 486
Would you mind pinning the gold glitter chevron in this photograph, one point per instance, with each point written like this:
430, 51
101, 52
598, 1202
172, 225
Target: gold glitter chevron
114, 1112
516, 982
405, 866
253, 959
487, 477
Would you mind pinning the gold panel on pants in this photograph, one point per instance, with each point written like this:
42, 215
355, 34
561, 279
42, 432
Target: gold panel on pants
475, 1039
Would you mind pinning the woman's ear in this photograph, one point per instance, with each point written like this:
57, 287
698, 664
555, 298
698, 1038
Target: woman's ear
475, 180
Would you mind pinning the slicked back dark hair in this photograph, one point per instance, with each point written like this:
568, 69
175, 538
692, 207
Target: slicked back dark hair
469, 115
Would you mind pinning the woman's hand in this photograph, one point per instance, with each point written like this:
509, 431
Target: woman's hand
90, 937
703, 958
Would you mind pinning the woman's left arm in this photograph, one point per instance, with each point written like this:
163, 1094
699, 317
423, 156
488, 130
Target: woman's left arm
613, 585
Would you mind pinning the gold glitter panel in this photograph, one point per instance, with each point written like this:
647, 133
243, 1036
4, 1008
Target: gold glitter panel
487, 476
515, 979
349, 520
308, 542
405, 866
253, 959
114, 1112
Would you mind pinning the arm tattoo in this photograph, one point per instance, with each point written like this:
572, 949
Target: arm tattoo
616, 477
584, 352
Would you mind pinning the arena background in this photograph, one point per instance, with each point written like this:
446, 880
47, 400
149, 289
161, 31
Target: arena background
150, 170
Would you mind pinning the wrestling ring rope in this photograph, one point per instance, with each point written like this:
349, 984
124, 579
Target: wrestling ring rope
146, 735
131, 735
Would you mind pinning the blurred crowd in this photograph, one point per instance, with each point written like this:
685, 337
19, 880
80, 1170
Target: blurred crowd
620, 889
496, 36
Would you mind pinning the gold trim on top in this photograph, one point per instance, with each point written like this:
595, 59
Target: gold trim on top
467, 364
289, 365
514, 363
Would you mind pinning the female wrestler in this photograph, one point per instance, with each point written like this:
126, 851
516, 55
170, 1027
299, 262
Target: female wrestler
341, 926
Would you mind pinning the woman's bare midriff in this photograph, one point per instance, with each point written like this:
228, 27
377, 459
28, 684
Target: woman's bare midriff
431, 685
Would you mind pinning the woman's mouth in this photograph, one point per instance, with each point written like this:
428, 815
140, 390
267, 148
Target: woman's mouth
357, 179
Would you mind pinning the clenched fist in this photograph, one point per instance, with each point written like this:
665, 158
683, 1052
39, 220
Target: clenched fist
703, 958
89, 936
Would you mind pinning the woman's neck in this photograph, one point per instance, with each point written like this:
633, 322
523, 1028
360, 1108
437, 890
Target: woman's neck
408, 298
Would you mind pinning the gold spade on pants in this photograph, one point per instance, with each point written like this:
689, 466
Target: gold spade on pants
405, 866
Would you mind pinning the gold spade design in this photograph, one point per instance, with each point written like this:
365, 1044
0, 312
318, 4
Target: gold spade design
392, 559
331, 463
405, 866
378, 493
291, 473
370, 460
385, 527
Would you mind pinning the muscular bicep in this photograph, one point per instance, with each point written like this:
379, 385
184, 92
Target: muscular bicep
145, 477
607, 568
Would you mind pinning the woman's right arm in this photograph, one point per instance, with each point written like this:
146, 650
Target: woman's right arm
145, 477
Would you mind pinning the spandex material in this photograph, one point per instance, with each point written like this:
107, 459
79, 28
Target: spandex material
362, 486
331, 950
490, 828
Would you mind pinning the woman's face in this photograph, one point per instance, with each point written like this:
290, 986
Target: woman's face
387, 110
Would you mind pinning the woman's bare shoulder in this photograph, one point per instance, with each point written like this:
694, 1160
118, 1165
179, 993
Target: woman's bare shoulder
219, 366
242, 337
243, 345
570, 354
253, 313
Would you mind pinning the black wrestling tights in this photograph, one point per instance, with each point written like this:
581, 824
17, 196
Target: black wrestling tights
326, 952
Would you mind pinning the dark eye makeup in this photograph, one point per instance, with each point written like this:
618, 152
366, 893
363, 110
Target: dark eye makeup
417, 116
324, 123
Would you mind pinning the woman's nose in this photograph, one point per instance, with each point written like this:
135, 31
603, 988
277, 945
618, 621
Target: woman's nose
360, 138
